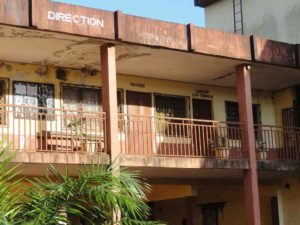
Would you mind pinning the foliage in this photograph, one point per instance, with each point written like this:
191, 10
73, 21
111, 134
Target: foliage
9, 195
96, 195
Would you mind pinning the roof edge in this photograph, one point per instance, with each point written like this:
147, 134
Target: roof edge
205, 3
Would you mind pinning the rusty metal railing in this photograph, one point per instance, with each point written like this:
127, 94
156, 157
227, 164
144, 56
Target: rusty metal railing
277, 143
34, 129
179, 137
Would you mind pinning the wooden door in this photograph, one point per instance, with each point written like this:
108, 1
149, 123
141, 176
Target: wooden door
140, 135
203, 132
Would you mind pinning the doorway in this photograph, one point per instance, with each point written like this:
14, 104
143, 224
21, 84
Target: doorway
202, 130
139, 109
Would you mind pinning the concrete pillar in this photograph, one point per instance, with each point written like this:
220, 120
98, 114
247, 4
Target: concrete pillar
191, 210
109, 98
110, 106
246, 117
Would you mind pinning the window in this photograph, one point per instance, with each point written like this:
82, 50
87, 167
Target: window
85, 102
175, 107
210, 213
34, 95
84, 98
232, 115
171, 106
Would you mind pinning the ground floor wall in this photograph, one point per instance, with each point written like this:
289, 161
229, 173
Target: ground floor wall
283, 100
289, 202
279, 203
231, 213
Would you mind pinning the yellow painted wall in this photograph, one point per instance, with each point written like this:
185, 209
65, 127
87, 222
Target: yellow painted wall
42, 74
220, 95
34, 73
164, 192
233, 213
289, 202
282, 99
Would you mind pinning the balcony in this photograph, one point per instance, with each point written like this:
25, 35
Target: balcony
277, 143
38, 129
52, 130
179, 137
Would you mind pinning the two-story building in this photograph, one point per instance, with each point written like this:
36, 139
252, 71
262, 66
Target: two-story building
209, 118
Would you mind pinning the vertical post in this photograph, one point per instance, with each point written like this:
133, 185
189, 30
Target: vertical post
246, 118
109, 98
191, 210
110, 106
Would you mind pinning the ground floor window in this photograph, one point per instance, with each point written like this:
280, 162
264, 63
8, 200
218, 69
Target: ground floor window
210, 213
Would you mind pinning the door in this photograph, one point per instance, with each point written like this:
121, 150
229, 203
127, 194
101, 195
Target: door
210, 213
203, 131
274, 211
139, 123
290, 134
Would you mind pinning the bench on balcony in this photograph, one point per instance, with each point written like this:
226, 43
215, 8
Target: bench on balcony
58, 141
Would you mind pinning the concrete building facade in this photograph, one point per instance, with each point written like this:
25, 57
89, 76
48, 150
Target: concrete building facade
208, 117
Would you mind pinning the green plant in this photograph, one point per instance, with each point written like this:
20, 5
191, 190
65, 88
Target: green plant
10, 197
96, 195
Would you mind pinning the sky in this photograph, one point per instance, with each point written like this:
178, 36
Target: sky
179, 11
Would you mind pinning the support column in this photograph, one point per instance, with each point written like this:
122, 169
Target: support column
109, 98
251, 192
191, 210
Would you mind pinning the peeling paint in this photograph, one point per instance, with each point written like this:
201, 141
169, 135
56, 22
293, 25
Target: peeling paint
8, 67
42, 71
132, 55
62, 50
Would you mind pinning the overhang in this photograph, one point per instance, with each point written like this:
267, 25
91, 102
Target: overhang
46, 48
205, 3
119, 28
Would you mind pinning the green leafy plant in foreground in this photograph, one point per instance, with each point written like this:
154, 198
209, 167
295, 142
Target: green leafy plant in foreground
10, 197
99, 195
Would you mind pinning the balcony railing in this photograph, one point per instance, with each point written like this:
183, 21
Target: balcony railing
33, 129
277, 143
48, 129
163, 136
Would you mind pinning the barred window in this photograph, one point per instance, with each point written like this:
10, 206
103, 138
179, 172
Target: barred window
171, 106
33, 95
